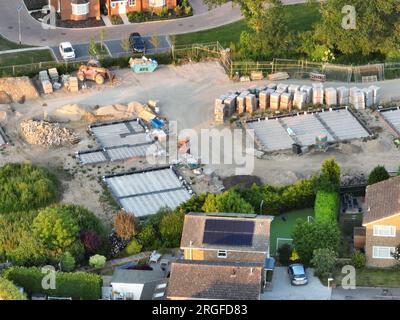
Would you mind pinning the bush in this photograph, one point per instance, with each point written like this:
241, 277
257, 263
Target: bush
97, 261
78, 285
125, 225
329, 179
358, 260
228, 201
378, 174
326, 206
8, 291
284, 254
67, 262
26, 187
90, 241
323, 260
133, 247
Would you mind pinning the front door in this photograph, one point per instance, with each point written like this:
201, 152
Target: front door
122, 7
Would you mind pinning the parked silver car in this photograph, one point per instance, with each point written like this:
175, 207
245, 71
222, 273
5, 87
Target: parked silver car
297, 274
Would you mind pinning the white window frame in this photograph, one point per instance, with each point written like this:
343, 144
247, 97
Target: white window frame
384, 231
80, 9
157, 3
222, 254
376, 249
132, 3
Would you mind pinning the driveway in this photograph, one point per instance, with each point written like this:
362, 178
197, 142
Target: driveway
364, 293
33, 33
283, 290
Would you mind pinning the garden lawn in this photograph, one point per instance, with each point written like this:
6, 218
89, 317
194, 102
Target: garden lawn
27, 57
283, 229
8, 45
302, 17
374, 277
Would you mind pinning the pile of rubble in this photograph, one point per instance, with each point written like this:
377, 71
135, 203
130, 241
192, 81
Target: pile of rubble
46, 134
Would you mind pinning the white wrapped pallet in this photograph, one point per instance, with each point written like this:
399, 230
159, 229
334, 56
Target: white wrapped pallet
230, 103
286, 101
220, 100
293, 88
376, 94
357, 98
271, 86
282, 88
241, 102
318, 95
43, 75
300, 99
251, 103
263, 100
369, 97
343, 96
309, 91
274, 100
318, 85
331, 97
47, 86
219, 113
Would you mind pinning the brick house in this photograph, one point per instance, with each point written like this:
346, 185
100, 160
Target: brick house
381, 223
117, 7
77, 9
226, 237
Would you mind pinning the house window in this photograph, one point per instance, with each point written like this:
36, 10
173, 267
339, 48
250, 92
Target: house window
384, 231
222, 253
113, 5
382, 252
80, 9
161, 286
157, 3
132, 3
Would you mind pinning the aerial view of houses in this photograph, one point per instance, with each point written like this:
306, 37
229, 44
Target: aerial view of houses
208, 150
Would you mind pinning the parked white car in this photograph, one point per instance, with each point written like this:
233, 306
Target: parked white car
67, 51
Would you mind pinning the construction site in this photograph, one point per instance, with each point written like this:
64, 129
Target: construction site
98, 134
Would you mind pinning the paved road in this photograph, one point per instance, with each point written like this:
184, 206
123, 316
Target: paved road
363, 293
283, 290
33, 33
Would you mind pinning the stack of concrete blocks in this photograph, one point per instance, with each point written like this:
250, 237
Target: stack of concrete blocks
264, 99
331, 97
54, 75
282, 88
230, 103
274, 100
369, 97
219, 112
357, 98
308, 90
376, 91
293, 88
300, 99
251, 103
73, 84
241, 102
286, 101
318, 93
271, 86
45, 81
343, 96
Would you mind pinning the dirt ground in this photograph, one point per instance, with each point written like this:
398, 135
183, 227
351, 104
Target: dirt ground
186, 94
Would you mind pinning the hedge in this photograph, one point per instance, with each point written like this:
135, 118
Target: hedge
8, 291
78, 285
326, 206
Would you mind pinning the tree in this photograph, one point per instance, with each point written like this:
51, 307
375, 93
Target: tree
92, 50
308, 237
8, 291
324, 260
68, 262
378, 174
155, 42
228, 201
90, 241
125, 225
102, 37
97, 261
55, 228
329, 179
125, 44
171, 227
358, 260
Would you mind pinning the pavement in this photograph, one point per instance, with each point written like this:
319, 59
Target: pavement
365, 293
33, 33
283, 290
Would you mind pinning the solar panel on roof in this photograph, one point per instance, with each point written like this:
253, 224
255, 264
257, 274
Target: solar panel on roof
228, 232
229, 226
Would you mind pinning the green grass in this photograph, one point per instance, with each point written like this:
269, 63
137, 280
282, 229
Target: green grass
284, 229
8, 45
26, 57
374, 277
301, 16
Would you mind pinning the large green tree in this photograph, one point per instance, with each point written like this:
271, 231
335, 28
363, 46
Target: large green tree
228, 201
378, 174
8, 291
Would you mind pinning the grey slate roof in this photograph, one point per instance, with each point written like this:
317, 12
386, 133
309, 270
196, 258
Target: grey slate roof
136, 276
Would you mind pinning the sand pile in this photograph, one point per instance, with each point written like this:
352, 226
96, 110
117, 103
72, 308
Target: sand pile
46, 134
72, 112
17, 89
115, 111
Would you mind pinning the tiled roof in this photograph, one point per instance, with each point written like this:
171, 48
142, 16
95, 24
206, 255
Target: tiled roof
215, 280
194, 225
382, 200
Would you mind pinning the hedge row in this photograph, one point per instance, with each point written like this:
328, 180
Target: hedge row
78, 285
326, 206
8, 291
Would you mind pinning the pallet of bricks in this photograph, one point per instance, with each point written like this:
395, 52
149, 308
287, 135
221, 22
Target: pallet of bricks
45, 82
224, 107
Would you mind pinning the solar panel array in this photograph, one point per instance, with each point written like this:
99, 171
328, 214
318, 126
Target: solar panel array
228, 232
144, 193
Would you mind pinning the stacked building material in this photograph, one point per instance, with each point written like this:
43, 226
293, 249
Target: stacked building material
54, 77
369, 97
318, 93
271, 86
219, 113
376, 94
230, 103
47, 86
241, 102
43, 76
286, 101
251, 103
308, 91
274, 101
330, 97
300, 100
343, 96
278, 76
293, 88
73, 84
264, 99
256, 75
282, 88
357, 98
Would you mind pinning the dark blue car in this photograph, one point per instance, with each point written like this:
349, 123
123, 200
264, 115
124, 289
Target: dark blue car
297, 274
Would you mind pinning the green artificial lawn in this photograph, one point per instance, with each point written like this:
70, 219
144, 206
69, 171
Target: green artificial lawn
284, 229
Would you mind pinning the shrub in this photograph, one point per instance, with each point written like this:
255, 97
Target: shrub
125, 225
228, 201
133, 247
67, 262
170, 228
78, 285
358, 260
178, 10
90, 241
148, 237
8, 291
284, 254
97, 261
329, 179
323, 260
378, 174
188, 10
26, 187
326, 206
